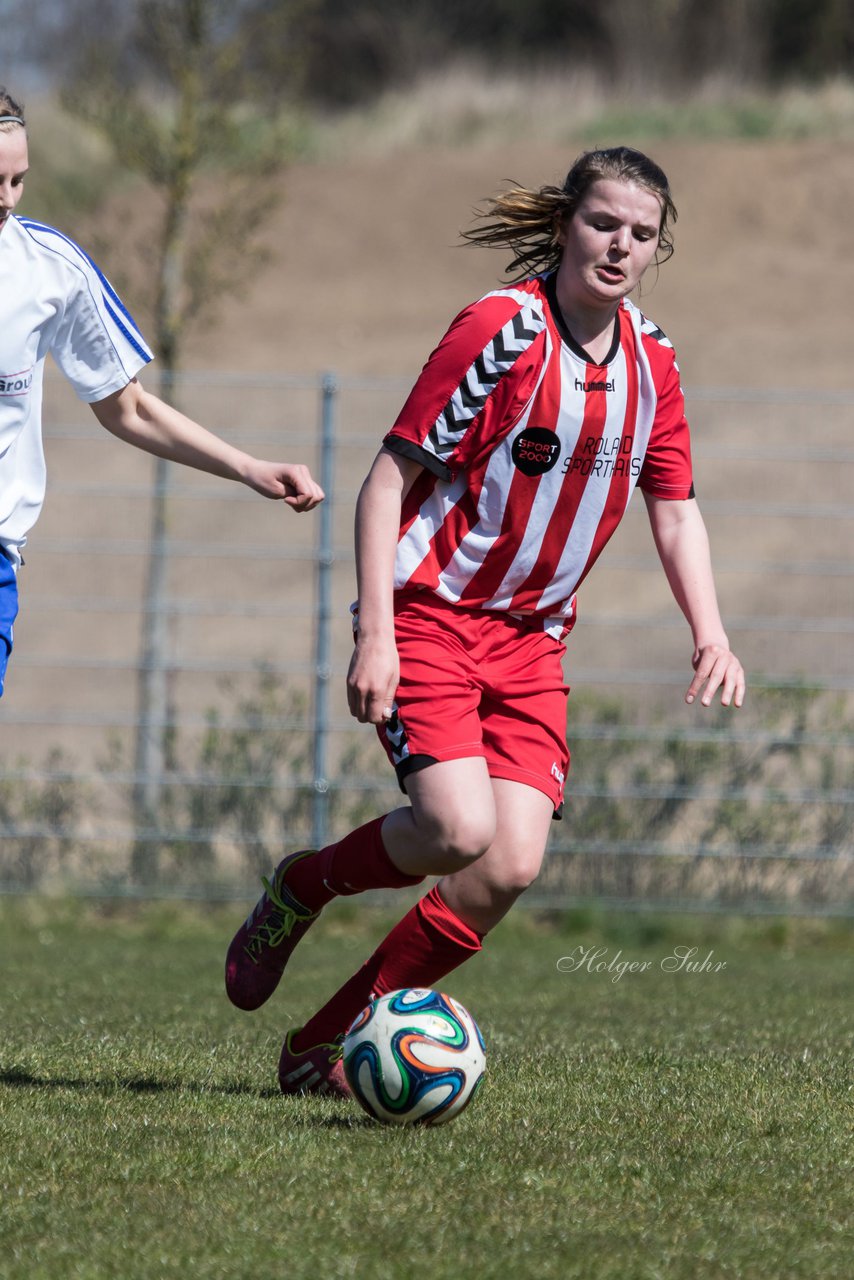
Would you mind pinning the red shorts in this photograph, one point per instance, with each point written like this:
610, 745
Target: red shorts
478, 683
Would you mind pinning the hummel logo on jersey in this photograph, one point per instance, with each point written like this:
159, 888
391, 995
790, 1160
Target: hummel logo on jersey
558, 773
593, 385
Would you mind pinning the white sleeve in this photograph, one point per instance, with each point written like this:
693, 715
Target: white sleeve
96, 342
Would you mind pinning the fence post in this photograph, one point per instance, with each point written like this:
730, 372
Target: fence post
325, 562
152, 674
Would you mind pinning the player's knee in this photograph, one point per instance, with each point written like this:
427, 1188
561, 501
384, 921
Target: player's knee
518, 873
520, 877
463, 842
498, 889
457, 839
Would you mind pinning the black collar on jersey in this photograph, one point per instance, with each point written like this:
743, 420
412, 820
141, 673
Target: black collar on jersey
563, 327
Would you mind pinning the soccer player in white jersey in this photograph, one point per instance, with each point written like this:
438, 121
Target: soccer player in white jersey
511, 464
54, 300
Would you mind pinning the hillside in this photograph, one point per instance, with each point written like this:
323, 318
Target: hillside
367, 268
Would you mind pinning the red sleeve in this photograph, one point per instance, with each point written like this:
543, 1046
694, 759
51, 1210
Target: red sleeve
465, 392
667, 471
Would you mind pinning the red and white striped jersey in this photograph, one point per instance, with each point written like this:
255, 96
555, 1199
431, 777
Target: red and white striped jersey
531, 452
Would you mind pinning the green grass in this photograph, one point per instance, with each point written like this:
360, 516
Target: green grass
663, 1125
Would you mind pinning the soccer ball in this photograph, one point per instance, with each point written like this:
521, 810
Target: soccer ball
414, 1057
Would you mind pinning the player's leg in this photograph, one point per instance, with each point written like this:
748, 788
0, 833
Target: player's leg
449, 824
293, 898
443, 929
482, 893
437, 833
522, 712
434, 742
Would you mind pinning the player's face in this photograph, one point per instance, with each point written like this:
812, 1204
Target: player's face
13, 165
608, 243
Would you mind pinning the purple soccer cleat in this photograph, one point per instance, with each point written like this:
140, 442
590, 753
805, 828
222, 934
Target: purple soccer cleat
317, 1070
263, 945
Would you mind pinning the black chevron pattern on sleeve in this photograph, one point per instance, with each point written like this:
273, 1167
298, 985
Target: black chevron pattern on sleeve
652, 330
481, 378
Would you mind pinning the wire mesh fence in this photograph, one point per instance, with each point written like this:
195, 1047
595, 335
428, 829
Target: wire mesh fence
667, 805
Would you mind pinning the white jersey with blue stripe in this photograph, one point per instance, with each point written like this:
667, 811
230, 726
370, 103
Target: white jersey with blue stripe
53, 300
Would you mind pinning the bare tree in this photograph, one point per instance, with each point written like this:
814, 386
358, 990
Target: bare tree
183, 111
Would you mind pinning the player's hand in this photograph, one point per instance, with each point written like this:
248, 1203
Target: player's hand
291, 483
372, 680
717, 667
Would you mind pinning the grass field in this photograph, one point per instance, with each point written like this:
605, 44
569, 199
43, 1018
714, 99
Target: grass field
655, 1124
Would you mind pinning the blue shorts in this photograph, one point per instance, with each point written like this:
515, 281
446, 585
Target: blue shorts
8, 612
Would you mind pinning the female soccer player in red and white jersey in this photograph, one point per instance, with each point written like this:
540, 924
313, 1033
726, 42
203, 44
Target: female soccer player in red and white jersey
509, 468
54, 300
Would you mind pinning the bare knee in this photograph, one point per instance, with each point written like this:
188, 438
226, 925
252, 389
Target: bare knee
453, 815
455, 838
483, 894
518, 874
506, 879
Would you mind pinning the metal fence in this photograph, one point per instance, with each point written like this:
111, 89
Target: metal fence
667, 805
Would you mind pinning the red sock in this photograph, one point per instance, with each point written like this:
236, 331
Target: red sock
352, 865
428, 943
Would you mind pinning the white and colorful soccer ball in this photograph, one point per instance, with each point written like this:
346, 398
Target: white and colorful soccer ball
414, 1057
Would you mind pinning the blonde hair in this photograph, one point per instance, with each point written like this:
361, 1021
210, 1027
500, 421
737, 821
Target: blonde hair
529, 222
10, 108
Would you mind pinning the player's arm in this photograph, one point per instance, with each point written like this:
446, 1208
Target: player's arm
374, 669
683, 548
142, 419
